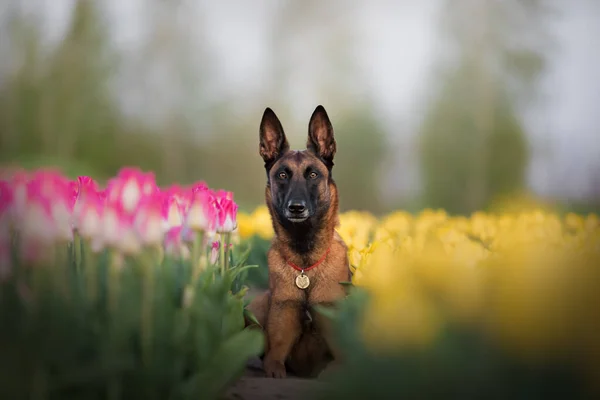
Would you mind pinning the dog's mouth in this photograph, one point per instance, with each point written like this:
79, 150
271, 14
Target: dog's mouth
296, 218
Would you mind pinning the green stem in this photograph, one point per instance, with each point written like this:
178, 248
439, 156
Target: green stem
39, 274
225, 244
62, 274
147, 266
113, 388
113, 281
77, 251
222, 254
39, 387
91, 272
197, 254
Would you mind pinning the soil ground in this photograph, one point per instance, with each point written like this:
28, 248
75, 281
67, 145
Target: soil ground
255, 386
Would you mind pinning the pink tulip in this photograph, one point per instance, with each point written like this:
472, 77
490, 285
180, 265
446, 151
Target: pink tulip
202, 214
130, 213
171, 213
227, 209
118, 229
74, 191
199, 186
37, 230
54, 188
184, 198
6, 202
88, 212
174, 243
172, 209
128, 188
149, 220
46, 215
214, 252
87, 184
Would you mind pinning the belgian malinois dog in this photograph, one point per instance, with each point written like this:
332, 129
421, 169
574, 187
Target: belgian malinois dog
307, 259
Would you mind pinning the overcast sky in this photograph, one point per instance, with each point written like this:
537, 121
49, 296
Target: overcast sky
239, 37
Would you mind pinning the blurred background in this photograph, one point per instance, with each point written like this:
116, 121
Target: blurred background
436, 103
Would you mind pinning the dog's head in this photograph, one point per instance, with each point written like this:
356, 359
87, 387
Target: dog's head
299, 183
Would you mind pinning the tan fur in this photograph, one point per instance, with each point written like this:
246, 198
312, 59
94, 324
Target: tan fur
304, 347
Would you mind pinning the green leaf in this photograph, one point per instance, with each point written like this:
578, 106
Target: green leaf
233, 318
243, 257
241, 294
250, 315
227, 363
326, 311
237, 270
346, 283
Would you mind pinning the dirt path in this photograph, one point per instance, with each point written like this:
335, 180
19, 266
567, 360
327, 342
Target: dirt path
255, 386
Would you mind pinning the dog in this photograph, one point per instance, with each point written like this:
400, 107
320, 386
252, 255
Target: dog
307, 260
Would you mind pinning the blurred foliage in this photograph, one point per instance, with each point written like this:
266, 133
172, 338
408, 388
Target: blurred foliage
360, 147
257, 278
100, 325
473, 144
461, 364
450, 150
58, 108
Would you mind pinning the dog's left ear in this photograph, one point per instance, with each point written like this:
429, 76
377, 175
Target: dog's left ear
273, 143
320, 136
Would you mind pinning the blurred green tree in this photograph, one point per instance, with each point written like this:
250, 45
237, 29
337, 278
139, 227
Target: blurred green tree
473, 143
360, 144
58, 106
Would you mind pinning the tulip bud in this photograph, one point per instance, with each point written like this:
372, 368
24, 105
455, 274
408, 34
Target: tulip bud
129, 187
214, 252
202, 213
118, 231
149, 220
227, 209
172, 210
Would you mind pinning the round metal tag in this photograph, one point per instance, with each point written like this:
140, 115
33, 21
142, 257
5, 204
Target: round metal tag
302, 281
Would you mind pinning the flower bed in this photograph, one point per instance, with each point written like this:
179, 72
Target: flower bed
502, 303
131, 291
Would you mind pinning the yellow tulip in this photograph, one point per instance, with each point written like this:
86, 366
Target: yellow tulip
245, 226
525, 277
262, 224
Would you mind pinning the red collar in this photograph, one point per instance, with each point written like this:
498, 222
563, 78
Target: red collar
297, 268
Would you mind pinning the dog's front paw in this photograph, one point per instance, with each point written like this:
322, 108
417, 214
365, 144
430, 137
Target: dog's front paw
274, 369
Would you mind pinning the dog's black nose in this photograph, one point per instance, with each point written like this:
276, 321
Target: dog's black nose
296, 207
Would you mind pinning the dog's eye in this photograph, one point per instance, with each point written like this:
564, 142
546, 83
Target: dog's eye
282, 175
313, 175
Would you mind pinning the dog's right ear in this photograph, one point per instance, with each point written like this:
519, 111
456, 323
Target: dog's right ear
273, 142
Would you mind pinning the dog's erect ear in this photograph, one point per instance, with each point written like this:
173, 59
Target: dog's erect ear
320, 136
273, 142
